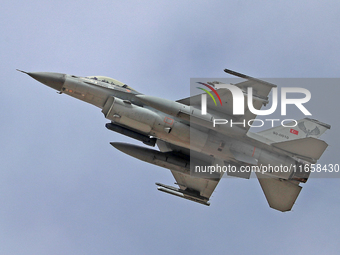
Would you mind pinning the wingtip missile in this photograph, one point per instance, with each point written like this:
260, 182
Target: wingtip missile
186, 194
247, 77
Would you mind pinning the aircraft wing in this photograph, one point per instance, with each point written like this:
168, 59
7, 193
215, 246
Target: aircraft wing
195, 188
261, 90
205, 187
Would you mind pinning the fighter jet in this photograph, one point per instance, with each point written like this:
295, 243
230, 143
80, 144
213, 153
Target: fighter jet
196, 150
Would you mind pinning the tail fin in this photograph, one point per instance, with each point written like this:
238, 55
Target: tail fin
280, 194
305, 128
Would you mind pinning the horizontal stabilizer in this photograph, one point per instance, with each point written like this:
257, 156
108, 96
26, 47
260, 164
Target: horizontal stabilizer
307, 147
280, 194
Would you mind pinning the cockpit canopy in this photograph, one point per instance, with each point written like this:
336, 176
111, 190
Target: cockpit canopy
110, 81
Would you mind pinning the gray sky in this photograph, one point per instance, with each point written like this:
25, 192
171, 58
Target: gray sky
65, 190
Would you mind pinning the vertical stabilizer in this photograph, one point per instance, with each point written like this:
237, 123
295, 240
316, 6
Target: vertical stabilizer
305, 128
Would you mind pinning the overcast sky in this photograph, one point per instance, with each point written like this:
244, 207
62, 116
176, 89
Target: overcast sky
65, 190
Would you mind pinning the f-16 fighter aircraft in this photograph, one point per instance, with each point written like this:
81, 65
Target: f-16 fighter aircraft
192, 141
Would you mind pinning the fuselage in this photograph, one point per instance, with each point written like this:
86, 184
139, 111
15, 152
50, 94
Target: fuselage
120, 104
188, 139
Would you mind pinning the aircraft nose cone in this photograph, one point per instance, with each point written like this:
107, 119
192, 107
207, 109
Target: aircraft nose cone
53, 80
